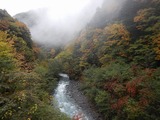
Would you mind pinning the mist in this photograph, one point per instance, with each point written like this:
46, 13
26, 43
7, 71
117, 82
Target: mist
55, 28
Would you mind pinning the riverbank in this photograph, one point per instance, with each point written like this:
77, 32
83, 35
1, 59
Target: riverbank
73, 90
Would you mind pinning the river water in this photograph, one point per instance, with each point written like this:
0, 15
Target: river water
65, 103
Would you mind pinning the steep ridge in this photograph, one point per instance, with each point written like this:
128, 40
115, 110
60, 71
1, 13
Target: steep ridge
118, 61
24, 84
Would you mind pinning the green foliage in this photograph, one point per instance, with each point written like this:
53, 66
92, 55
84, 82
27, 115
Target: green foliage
136, 53
54, 68
102, 100
154, 108
41, 70
19, 29
118, 64
115, 63
25, 92
133, 111
48, 113
67, 63
18, 36
26, 98
121, 91
25, 51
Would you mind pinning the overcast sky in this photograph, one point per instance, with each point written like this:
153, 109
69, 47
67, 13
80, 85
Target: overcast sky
62, 6
59, 20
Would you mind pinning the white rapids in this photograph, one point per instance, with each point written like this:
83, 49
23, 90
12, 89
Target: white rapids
64, 102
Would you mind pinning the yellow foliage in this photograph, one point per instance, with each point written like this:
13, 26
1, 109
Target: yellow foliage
6, 43
8, 113
33, 109
141, 15
52, 53
3, 36
21, 96
117, 32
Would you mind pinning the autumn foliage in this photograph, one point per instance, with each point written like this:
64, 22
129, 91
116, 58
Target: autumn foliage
118, 62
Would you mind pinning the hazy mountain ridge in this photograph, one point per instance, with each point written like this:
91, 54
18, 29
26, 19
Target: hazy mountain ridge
45, 31
29, 18
4, 14
118, 61
46, 28
25, 92
107, 13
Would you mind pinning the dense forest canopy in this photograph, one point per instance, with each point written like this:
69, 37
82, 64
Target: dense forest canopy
116, 58
24, 85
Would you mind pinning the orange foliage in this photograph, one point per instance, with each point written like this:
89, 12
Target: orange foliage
142, 15
97, 33
120, 103
109, 86
131, 86
117, 31
122, 54
20, 24
4, 25
36, 50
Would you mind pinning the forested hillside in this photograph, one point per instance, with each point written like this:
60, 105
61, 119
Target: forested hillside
118, 61
25, 83
116, 58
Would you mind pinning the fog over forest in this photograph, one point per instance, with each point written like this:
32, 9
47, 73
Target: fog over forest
52, 27
80, 59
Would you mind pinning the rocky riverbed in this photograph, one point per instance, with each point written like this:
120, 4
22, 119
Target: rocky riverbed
74, 91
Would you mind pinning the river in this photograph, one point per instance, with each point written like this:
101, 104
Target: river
65, 102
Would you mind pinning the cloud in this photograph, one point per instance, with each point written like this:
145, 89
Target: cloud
62, 6
58, 23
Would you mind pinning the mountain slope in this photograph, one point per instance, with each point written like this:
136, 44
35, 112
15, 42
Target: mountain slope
118, 61
24, 85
